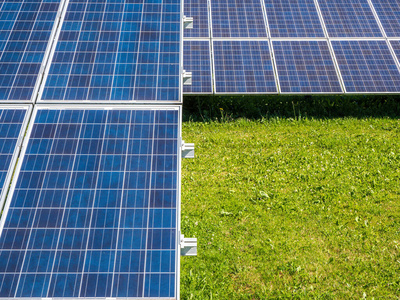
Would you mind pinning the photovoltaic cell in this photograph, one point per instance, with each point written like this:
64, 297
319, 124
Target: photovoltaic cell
25, 30
243, 67
293, 18
93, 210
349, 18
198, 9
118, 50
236, 18
11, 127
389, 14
367, 66
305, 67
196, 59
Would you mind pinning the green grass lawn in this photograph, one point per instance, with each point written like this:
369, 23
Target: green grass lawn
292, 209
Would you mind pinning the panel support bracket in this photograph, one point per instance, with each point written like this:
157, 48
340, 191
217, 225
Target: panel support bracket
187, 22
188, 246
187, 150
187, 78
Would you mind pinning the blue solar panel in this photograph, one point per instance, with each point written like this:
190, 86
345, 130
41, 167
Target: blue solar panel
197, 59
12, 126
243, 67
237, 18
389, 14
367, 66
25, 30
293, 18
198, 9
349, 18
93, 210
117, 51
305, 67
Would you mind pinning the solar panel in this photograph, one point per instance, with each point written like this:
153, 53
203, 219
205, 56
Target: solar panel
367, 66
293, 18
25, 30
243, 67
197, 59
389, 15
198, 9
93, 209
13, 121
349, 18
305, 67
118, 50
237, 18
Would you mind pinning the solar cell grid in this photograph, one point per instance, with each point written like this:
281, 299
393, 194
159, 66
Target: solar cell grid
25, 30
237, 18
349, 18
12, 125
293, 18
389, 14
305, 67
198, 9
117, 51
196, 59
93, 211
243, 67
367, 66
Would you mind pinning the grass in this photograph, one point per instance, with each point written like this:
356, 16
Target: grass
285, 208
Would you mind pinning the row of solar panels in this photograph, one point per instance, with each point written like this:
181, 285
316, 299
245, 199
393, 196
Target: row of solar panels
293, 18
123, 51
292, 47
94, 204
93, 209
95, 50
293, 67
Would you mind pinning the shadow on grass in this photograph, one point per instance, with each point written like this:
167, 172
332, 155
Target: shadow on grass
223, 108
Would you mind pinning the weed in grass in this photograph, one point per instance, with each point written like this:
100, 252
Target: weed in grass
294, 208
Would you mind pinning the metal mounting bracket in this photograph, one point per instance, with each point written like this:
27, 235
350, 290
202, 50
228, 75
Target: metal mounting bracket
187, 150
187, 22
188, 246
187, 78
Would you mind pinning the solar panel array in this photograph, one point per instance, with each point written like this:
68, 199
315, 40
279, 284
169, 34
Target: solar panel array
93, 207
124, 51
301, 40
93, 212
